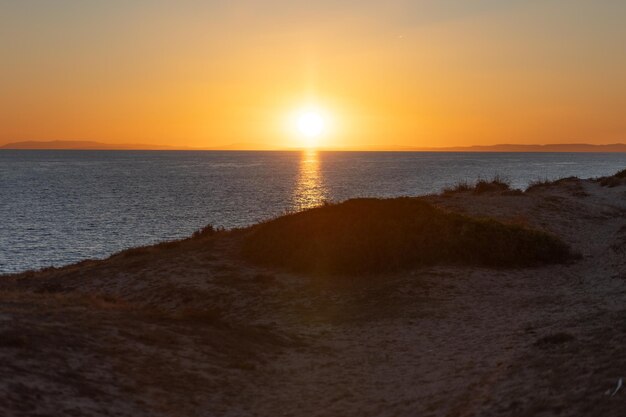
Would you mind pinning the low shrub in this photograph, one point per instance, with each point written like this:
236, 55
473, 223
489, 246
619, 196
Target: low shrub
496, 184
537, 184
376, 235
206, 231
619, 178
459, 187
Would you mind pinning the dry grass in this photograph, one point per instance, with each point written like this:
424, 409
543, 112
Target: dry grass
459, 187
615, 180
206, 231
621, 174
496, 185
544, 183
373, 235
538, 184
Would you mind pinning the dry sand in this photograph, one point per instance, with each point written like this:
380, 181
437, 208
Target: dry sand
189, 330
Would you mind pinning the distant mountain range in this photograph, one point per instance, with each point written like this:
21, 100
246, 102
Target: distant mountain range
568, 147
87, 145
83, 145
90, 145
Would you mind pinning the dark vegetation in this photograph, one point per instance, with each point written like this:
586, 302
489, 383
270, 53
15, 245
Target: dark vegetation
573, 185
206, 231
376, 235
618, 178
621, 174
539, 184
198, 237
614, 180
496, 185
459, 187
544, 183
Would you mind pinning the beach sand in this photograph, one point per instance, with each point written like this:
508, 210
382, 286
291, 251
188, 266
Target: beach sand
188, 329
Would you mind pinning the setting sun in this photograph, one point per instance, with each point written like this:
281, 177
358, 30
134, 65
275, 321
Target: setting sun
309, 125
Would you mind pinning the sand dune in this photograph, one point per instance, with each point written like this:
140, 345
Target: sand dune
189, 329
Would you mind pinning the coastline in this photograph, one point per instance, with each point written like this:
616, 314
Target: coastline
188, 328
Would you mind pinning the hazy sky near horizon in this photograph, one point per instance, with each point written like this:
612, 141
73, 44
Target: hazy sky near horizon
408, 73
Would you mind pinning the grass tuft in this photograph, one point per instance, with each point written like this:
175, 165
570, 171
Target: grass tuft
496, 184
538, 184
544, 183
459, 187
375, 235
206, 231
615, 180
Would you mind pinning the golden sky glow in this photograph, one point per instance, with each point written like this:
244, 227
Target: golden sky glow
395, 73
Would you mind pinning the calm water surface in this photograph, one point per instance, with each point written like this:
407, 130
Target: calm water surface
59, 207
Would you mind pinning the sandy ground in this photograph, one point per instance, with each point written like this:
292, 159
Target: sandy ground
189, 330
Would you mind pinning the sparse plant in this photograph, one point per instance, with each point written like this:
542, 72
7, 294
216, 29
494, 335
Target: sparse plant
619, 178
497, 183
206, 231
459, 187
537, 184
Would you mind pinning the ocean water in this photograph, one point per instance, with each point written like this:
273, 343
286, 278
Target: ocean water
59, 207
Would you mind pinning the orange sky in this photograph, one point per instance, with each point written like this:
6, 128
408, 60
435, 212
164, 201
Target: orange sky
395, 73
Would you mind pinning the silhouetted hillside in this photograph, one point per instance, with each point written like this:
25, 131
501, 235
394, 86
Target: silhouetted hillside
84, 145
374, 235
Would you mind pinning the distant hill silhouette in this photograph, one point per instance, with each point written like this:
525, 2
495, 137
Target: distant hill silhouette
566, 147
89, 145
83, 145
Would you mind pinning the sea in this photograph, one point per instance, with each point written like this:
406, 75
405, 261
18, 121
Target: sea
60, 207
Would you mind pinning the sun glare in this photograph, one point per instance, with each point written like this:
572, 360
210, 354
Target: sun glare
310, 125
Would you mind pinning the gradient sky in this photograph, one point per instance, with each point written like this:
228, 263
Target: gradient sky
406, 73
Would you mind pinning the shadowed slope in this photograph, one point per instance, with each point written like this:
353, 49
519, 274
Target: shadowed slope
374, 235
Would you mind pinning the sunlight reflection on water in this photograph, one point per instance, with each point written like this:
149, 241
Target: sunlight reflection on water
59, 207
310, 190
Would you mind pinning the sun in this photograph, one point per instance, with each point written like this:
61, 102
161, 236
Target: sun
309, 125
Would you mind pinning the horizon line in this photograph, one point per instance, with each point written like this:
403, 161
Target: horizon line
502, 147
